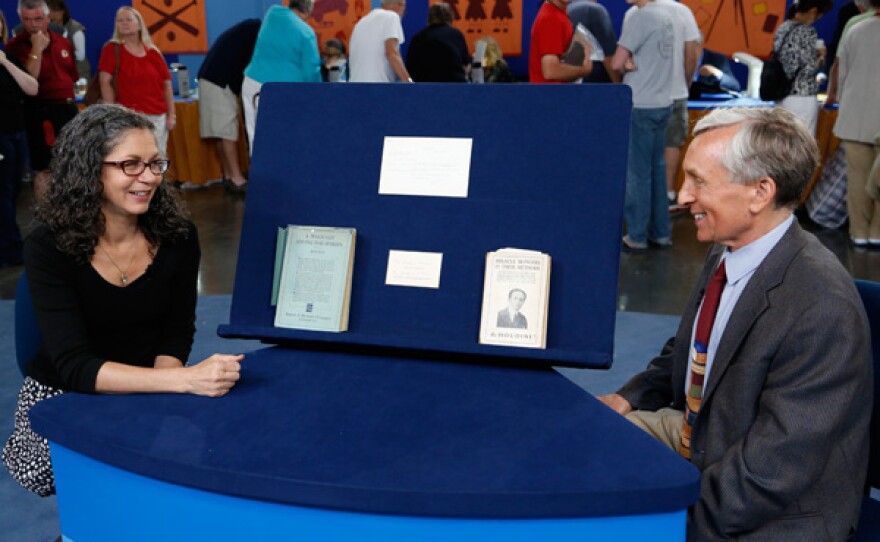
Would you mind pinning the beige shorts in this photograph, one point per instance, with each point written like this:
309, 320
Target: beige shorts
218, 111
677, 129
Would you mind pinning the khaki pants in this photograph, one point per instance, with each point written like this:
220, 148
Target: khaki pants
864, 211
664, 424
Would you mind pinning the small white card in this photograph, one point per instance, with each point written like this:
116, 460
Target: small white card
426, 166
415, 269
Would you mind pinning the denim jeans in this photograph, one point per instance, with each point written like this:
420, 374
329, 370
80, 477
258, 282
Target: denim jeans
647, 207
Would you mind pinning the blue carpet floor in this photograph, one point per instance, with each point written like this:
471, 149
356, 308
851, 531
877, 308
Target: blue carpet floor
24, 517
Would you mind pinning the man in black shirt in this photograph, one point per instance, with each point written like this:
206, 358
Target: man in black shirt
438, 53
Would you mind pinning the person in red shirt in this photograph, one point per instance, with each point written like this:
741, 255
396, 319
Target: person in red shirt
143, 82
49, 58
551, 36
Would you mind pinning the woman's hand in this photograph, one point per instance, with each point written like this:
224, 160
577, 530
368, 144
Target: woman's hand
214, 376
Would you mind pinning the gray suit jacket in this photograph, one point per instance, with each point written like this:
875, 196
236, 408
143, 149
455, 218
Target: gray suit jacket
782, 435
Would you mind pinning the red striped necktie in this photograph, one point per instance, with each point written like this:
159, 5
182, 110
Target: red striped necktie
698, 356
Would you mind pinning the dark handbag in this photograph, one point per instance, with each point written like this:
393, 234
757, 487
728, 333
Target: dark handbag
93, 91
775, 85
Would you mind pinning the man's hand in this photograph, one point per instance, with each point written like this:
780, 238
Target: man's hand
708, 70
617, 403
588, 50
39, 42
830, 100
554, 69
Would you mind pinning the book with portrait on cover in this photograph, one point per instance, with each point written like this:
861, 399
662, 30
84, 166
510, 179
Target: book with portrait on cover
314, 274
516, 294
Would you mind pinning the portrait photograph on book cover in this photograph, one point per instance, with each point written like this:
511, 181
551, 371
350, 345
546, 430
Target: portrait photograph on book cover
515, 299
511, 315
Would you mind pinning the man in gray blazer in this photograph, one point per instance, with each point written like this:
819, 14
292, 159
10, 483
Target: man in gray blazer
781, 430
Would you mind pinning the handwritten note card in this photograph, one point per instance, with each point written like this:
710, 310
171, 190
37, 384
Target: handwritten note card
414, 269
426, 166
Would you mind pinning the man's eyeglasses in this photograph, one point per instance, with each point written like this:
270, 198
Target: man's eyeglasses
133, 168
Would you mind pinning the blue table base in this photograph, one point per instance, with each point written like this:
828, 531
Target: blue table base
98, 503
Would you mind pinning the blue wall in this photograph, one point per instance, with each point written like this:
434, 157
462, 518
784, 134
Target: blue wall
98, 17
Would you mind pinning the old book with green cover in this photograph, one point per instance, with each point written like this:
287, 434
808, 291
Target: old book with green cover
314, 288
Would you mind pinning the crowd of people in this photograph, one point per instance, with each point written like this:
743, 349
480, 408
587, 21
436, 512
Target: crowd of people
113, 262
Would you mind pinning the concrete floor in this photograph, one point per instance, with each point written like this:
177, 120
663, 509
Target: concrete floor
656, 282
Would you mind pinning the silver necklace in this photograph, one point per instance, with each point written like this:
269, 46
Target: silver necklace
123, 275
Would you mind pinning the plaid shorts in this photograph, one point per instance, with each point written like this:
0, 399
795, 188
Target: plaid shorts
827, 202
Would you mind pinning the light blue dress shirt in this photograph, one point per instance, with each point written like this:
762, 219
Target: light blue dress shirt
740, 266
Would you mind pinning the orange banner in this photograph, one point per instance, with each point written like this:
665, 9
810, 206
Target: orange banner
503, 21
336, 19
729, 26
176, 26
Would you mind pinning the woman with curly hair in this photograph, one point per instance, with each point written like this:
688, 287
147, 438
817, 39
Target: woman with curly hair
112, 268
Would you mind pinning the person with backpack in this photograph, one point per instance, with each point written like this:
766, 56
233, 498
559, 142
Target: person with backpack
797, 47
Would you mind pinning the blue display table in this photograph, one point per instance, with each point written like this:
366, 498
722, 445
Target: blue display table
353, 447
404, 427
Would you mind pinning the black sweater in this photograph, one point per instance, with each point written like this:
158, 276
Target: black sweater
86, 321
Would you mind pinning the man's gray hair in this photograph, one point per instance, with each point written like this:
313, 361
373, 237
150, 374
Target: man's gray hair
303, 6
770, 143
33, 4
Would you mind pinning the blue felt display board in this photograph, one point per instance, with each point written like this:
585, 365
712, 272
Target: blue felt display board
547, 173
